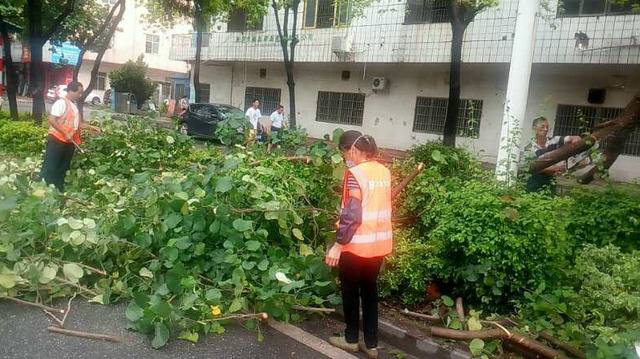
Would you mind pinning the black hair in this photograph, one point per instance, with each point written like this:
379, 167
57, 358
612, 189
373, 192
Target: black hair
255, 99
364, 143
279, 107
73, 86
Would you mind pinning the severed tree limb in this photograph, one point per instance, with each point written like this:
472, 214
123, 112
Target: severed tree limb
77, 333
66, 313
562, 345
612, 132
37, 305
313, 309
400, 186
460, 308
514, 338
429, 318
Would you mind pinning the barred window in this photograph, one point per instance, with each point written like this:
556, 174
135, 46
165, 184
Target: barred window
340, 107
152, 44
431, 113
327, 13
269, 98
240, 22
575, 8
427, 11
101, 81
205, 90
575, 120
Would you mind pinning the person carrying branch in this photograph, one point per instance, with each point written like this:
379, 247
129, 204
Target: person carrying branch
64, 136
540, 145
364, 237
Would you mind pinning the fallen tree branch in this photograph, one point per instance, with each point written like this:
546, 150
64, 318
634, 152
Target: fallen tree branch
53, 317
313, 309
515, 338
429, 318
66, 313
460, 308
562, 345
37, 305
76, 333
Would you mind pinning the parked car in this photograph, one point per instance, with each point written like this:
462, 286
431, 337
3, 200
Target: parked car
201, 119
60, 91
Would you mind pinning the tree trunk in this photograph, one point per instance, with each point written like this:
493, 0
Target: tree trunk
110, 30
12, 80
196, 63
613, 132
450, 125
36, 81
291, 83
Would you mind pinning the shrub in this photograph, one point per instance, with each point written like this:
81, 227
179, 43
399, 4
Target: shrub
21, 138
233, 129
609, 216
130, 78
596, 306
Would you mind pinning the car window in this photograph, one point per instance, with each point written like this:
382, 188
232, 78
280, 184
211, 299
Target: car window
229, 110
206, 111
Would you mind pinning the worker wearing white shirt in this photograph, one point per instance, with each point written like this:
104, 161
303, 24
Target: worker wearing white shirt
277, 119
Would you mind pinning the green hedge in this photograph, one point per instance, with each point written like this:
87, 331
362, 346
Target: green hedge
21, 138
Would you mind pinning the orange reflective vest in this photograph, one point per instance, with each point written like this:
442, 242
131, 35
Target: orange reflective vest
66, 123
374, 237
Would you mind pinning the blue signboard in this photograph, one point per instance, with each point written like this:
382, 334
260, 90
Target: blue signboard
66, 54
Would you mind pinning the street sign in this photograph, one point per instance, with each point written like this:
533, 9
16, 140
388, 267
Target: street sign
66, 54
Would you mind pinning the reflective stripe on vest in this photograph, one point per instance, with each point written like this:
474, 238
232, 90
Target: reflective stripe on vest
374, 237
66, 123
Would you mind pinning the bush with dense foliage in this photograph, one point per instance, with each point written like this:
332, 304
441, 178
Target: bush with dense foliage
21, 137
131, 78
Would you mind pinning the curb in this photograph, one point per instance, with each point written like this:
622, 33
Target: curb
413, 342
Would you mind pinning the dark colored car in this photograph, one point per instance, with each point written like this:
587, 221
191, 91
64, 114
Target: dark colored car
201, 119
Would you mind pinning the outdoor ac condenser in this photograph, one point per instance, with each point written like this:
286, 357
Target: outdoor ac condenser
340, 44
379, 83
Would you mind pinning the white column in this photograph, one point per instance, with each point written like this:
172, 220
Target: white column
515, 105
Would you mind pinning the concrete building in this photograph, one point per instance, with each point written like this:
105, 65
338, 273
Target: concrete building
133, 37
386, 72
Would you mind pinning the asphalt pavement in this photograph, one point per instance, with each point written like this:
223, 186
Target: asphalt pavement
23, 334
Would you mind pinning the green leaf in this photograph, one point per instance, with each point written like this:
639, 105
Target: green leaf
183, 196
161, 336
263, 265
73, 272
476, 346
336, 158
305, 250
241, 225
224, 184
75, 224
134, 312
236, 305
189, 336
97, 299
447, 301
247, 265
253, 245
49, 272
172, 220
297, 233
89, 223
474, 324
8, 280
438, 157
144, 272
213, 295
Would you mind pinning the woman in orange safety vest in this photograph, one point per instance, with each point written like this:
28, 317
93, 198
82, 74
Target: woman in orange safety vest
363, 238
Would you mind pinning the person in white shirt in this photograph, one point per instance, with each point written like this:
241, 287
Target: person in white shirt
277, 119
253, 114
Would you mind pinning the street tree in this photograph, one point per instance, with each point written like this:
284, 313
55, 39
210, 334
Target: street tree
463, 12
10, 16
201, 13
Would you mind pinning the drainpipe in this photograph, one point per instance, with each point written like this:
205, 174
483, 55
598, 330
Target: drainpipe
515, 105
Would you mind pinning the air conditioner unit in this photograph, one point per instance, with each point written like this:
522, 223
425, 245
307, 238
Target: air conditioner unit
341, 44
379, 83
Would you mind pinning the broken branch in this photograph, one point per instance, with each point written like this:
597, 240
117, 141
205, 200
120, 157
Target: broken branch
37, 305
562, 345
76, 333
430, 318
313, 309
460, 308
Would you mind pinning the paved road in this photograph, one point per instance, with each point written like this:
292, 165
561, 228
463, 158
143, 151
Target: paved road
23, 334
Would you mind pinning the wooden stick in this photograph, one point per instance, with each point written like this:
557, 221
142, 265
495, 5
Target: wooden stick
430, 318
37, 305
64, 319
313, 309
562, 345
528, 343
76, 333
460, 309
400, 187
53, 317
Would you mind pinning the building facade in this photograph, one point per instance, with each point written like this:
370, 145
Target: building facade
386, 72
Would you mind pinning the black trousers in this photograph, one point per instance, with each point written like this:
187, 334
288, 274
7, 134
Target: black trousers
57, 161
359, 279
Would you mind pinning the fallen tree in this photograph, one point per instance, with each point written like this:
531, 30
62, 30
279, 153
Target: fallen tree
611, 134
